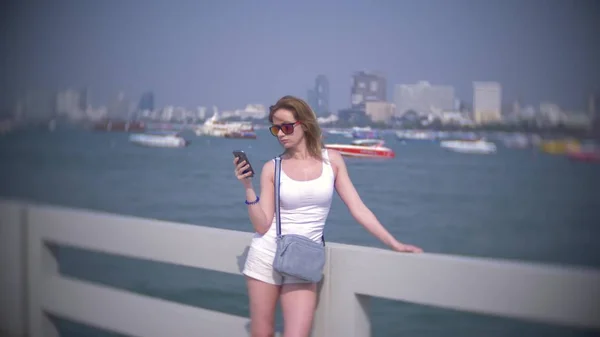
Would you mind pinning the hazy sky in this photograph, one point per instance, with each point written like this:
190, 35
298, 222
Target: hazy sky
230, 53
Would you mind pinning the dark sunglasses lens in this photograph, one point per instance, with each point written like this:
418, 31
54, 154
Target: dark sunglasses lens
287, 128
274, 129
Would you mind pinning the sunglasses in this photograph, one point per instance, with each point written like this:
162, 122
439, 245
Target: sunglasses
286, 128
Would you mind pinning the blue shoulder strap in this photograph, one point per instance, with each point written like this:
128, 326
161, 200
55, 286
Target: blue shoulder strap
277, 184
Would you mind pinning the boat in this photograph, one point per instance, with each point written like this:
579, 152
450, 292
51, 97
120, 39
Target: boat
363, 148
241, 134
158, 140
219, 128
339, 132
585, 153
412, 135
516, 141
586, 156
110, 125
364, 133
560, 146
479, 146
462, 135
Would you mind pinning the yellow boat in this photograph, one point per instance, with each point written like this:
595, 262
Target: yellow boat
561, 146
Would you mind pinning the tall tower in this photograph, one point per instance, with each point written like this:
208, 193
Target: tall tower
321, 93
367, 87
487, 102
146, 102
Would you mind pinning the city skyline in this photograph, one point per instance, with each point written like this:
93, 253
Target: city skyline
196, 54
390, 96
420, 103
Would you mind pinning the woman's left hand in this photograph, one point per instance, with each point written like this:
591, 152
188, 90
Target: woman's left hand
400, 247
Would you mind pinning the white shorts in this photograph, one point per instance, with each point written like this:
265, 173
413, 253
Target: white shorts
259, 265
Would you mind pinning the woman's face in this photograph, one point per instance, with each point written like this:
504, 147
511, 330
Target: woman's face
285, 121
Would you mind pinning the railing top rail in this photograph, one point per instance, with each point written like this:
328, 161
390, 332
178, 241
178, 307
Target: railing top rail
539, 292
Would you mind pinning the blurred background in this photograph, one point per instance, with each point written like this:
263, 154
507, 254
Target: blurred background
469, 128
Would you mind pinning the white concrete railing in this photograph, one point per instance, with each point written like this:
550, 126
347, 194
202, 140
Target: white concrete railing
32, 287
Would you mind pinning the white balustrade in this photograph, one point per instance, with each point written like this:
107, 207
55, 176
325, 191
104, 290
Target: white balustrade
31, 286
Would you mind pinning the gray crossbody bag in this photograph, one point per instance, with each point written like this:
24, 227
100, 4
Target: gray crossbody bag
296, 255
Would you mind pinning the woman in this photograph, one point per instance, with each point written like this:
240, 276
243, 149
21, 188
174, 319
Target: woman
309, 174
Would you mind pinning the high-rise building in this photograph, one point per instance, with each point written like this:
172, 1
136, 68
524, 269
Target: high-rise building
487, 102
367, 87
68, 103
120, 108
379, 111
424, 98
146, 102
318, 97
322, 95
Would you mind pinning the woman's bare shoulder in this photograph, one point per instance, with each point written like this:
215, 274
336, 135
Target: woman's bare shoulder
335, 159
334, 155
268, 169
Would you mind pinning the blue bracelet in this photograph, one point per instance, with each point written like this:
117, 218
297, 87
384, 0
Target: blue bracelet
252, 202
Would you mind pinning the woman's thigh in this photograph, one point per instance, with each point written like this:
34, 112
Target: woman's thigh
263, 300
298, 303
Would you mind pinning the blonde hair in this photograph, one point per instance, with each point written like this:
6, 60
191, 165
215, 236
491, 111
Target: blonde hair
303, 113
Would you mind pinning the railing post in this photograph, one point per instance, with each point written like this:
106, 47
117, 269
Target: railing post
323, 300
346, 313
13, 316
41, 264
350, 314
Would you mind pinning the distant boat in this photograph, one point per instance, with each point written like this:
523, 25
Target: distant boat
586, 156
119, 126
467, 146
516, 141
219, 128
412, 135
586, 153
158, 140
363, 148
341, 132
241, 134
364, 133
560, 146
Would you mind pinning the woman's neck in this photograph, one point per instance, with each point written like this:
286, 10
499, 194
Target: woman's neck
299, 152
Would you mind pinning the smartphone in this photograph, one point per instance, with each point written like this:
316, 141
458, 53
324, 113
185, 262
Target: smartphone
241, 155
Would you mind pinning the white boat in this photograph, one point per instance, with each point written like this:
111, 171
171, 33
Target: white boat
368, 142
467, 146
364, 133
364, 148
158, 140
218, 128
516, 141
415, 135
340, 132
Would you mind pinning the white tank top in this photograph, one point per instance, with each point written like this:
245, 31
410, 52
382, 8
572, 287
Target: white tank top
304, 207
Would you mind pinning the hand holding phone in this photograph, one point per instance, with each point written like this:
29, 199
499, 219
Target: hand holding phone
243, 168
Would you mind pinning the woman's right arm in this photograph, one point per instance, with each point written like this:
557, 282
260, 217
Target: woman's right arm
261, 214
